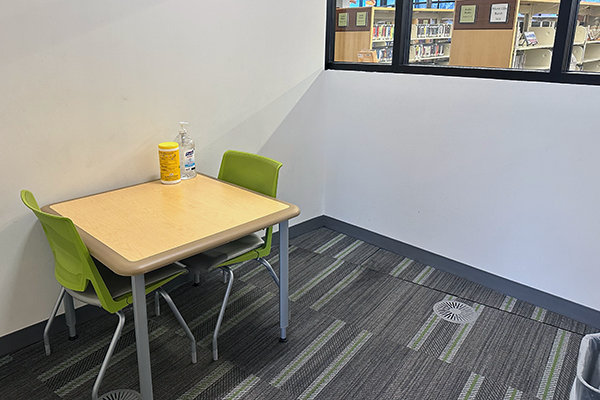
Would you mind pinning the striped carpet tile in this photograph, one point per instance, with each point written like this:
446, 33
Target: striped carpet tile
343, 358
359, 299
407, 269
402, 313
465, 289
317, 240
383, 261
5, 360
348, 248
356, 252
362, 327
319, 367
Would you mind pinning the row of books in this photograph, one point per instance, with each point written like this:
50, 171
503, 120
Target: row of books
433, 30
593, 33
383, 31
384, 54
431, 50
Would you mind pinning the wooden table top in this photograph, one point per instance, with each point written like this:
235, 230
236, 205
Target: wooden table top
140, 228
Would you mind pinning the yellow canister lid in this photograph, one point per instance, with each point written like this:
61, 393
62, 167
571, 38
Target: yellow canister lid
168, 145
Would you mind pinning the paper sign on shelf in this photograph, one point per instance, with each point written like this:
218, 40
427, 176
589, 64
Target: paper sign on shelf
499, 13
467, 14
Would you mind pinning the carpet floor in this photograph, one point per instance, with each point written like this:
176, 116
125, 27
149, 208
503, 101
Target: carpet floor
362, 327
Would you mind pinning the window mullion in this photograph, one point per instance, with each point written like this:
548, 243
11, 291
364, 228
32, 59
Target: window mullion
563, 38
330, 32
402, 32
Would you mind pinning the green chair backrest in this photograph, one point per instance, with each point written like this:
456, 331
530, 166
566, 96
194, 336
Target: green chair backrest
253, 172
73, 265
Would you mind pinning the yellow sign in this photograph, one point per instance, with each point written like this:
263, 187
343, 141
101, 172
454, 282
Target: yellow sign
343, 20
361, 18
467, 14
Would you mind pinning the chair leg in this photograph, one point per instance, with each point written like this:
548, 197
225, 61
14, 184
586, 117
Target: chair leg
181, 321
196, 278
51, 319
224, 276
222, 313
156, 304
70, 315
111, 349
270, 269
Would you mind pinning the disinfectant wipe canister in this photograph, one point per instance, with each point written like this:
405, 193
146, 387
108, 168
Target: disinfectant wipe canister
168, 154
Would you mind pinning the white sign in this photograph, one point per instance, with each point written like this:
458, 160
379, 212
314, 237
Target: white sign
499, 13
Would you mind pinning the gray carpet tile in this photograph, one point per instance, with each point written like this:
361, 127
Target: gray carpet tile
358, 300
315, 239
413, 271
514, 350
15, 378
383, 261
563, 322
357, 252
384, 370
590, 329
461, 287
362, 327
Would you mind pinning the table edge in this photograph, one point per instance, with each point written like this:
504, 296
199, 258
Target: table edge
120, 265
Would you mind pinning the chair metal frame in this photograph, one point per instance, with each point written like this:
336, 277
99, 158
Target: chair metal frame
75, 270
259, 174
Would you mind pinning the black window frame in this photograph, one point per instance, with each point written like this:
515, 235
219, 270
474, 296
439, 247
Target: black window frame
559, 67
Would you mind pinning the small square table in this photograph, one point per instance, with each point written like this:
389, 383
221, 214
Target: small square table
138, 229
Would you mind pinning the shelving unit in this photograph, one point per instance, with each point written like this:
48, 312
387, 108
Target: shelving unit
376, 35
586, 52
538, 56
431, 35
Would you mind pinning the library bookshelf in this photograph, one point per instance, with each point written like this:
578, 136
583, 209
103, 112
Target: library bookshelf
586, 42
362, 29
438, 36
430, 36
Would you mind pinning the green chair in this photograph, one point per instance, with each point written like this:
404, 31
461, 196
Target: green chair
90, 282
256, 173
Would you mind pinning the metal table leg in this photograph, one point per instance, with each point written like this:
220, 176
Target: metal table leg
283, 279
141, 335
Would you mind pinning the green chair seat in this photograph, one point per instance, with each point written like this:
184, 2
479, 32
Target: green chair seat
211, 259
120, 286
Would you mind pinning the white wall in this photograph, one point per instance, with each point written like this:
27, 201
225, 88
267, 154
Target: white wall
89, 88
500, 175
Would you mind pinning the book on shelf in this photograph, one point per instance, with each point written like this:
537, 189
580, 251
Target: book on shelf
384, 54
383, 30
530, 38
433, 30
429, 50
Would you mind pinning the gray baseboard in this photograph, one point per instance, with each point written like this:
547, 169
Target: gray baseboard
302, 228
33, 334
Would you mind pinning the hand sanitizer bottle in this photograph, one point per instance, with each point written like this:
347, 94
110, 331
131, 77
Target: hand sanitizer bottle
187, 153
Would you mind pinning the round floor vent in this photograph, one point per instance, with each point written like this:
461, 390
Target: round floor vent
123, 394
455, 311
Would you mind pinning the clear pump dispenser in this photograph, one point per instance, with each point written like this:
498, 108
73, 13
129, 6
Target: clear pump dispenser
187, 153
